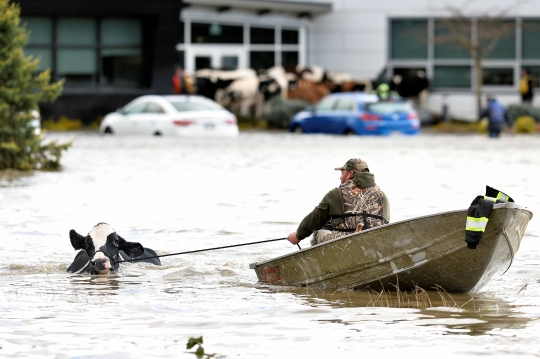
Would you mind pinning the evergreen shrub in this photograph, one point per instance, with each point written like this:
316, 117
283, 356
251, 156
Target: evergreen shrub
482, 125
525, 124
63, 124
281, 110
21, 90
519, 110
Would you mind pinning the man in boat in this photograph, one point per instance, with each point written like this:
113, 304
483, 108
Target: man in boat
357, 204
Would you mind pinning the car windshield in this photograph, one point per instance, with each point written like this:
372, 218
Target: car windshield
389, 107
182, 106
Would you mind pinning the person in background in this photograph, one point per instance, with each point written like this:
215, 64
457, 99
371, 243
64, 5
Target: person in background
526, 86
497, 116
357, 204
181, 83
383, 91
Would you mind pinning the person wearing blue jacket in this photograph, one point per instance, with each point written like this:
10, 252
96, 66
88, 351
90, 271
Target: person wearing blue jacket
496, 115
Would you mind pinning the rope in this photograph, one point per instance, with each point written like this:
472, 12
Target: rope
201, 250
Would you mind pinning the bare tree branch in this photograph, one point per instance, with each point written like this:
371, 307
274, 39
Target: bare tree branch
506, 11
479, 38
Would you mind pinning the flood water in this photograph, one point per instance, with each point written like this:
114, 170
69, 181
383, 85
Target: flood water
176, 195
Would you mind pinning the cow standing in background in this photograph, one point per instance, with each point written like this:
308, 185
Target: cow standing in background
344, 82
283, 79
308, 85
240, 95
315, 74
309, 91
314, 83
414, 87
251, 94
244, 91
208, 82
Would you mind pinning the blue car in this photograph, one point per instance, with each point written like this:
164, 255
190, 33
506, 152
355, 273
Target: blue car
357, 113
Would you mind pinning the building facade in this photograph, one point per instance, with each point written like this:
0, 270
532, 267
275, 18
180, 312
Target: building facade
380, 39
112, 51
258, 34
108, 52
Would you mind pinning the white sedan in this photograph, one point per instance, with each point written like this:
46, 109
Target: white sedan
174, 115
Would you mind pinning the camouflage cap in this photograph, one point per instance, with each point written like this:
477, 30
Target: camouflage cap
354, 164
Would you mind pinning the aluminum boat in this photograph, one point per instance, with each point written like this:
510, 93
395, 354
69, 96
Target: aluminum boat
427, 252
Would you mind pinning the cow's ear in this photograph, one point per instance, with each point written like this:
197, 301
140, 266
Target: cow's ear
132, 249
77, 241
120, 240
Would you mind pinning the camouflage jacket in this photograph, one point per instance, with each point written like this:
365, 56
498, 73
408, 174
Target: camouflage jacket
332, 205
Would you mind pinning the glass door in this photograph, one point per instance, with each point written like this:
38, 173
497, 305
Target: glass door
215, 57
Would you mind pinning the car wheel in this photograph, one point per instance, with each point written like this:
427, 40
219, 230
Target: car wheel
298, 129
349, 132
157, 133
108, 130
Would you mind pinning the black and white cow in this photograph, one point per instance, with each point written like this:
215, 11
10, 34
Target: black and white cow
209, 82
102, 248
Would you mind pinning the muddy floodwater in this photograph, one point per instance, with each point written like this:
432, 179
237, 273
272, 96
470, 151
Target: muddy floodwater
175, 195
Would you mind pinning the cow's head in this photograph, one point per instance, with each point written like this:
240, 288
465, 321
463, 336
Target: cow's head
102, 244
269, 88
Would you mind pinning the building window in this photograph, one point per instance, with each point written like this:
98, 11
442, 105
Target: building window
447, 58
452, 76
446, 46
506, 45
181, 58
264, 45
40, 41
289, 37
77, 66
88, 51
289, 59
409, 39
261, 60
534, 72
76, 40
203, 62
229, 62
530, 40
260, 35
498, 76
121, 51
216, 34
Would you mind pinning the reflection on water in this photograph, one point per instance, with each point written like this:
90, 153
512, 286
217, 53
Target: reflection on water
464, 314
175, 196
14, 178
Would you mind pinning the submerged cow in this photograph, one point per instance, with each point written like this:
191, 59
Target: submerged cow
111, 248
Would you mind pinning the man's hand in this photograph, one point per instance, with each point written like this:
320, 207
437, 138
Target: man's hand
292, 238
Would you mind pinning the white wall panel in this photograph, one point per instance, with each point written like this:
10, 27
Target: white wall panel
368, 42
327, 40
463, 106
358, 35
382, 4
359, 28
436, 7
354, 38
358, 64
351, 20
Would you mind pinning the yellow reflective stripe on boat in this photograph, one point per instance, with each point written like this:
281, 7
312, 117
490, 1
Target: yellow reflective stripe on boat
502, 196
476, 224
490, 198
